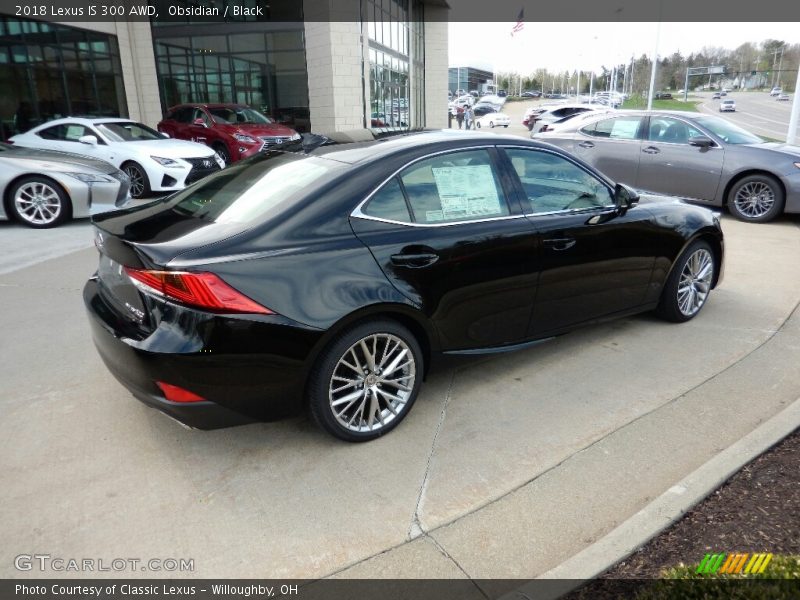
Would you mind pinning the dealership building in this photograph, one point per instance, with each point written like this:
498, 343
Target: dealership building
314, 65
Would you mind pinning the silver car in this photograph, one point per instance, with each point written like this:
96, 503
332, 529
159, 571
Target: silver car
44, 188
702, 158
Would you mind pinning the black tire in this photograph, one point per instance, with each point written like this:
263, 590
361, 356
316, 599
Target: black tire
477, 124
321, 392
740, 209
669, 306
506, 126
140, 184
491, 124
222, 150
56, 209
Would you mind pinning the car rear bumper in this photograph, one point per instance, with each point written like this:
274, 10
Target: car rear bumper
248, 380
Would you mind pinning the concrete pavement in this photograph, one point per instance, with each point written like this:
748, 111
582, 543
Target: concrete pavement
507, 466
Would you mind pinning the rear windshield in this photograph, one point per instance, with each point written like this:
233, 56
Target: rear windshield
248, 191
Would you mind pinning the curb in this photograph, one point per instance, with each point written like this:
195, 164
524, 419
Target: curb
665, 510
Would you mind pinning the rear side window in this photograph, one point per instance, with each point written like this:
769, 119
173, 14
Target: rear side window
617, 128
389, 203
461, 186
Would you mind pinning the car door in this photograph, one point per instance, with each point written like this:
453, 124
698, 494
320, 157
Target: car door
612, 146
669, 164
449, 235
595, 260
65, 138
199, 125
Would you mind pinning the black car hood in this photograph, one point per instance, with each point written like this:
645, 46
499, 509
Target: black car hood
22, 153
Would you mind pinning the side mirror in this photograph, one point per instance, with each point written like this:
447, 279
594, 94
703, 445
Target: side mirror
89, 140
701, 141
199, 122
625, 197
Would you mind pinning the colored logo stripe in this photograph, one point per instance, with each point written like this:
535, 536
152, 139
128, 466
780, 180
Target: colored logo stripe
734, 563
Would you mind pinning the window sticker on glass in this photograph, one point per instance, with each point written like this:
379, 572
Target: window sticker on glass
467, 191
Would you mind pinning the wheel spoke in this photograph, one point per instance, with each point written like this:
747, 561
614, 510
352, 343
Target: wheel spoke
395, 364
370, 358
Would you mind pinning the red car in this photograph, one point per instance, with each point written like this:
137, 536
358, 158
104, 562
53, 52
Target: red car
235, 131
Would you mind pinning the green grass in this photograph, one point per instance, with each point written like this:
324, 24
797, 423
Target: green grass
637, 102
777, 582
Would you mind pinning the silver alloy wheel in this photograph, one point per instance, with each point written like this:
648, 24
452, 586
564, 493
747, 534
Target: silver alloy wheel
38, 203
695, 282
137, 180
372, 382
754, 199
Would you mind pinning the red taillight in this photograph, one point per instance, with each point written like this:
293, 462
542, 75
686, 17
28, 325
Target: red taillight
174, 393
202, 290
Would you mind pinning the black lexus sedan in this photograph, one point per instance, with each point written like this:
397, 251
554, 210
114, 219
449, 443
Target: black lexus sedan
332, 276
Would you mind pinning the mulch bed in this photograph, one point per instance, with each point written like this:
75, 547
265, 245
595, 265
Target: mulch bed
756, 510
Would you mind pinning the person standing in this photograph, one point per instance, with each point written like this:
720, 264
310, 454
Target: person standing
469, 117
460, 116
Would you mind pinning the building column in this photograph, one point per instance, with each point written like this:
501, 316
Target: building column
436, 63
335, 84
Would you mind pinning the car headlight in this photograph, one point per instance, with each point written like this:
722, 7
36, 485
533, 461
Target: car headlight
166, 162
241, 137
90, 177
296, 136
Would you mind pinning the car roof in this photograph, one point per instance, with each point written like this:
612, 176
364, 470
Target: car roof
85, 121
357, 152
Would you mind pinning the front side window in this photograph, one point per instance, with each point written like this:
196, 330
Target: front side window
461, 186
615, 128
552, 183
727, 131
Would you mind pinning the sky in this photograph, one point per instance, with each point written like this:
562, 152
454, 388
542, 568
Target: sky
588, 46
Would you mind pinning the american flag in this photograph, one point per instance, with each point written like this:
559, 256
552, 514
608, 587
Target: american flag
520, 23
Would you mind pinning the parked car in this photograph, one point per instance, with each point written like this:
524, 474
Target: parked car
531, 94
700, 157
44, 188
663, 96
776, 91
151, 161
234, 131
492, 120
727, 105
552, 127
481, 109
783, 97
340, 288
502, 93
552, 114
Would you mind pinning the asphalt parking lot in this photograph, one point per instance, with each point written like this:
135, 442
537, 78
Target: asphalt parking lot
508, 465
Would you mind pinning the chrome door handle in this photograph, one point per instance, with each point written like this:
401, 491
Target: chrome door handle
586, 145
560, 243
651, 150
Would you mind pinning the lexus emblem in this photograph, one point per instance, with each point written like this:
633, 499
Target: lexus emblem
207, 163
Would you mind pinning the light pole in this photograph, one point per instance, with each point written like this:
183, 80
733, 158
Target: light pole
653, 67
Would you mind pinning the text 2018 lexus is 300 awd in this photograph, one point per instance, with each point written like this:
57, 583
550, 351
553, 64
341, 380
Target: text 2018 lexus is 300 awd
332, 276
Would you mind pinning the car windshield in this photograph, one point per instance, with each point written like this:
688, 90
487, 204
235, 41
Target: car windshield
256, 188
128, 131
727, 131
235, 115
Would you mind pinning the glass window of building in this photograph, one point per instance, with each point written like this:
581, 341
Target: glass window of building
256, 62
48, 71
396, 90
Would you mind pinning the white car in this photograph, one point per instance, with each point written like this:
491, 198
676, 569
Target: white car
495, 119
776, 91
152, 161
727, 105
569, 120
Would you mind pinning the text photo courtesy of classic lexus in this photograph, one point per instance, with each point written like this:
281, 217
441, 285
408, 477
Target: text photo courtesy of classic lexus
332, 275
